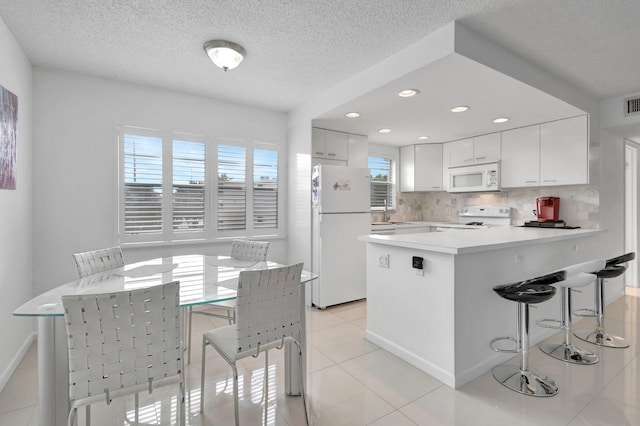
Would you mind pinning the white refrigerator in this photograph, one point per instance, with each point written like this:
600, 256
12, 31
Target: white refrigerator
341, 208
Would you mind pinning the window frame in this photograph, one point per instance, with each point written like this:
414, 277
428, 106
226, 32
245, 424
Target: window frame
393, 180
210, 231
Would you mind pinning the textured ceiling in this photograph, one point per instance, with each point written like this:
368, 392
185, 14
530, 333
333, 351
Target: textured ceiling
298, 48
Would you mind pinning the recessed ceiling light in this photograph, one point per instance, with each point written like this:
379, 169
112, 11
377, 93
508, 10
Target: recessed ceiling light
384, 130
352, 115
423, 138
407, 93
461, 108
501, 120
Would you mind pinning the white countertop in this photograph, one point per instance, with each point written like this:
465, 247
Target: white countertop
475, 240
419, 224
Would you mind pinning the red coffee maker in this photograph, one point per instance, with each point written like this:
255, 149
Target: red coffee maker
547, 209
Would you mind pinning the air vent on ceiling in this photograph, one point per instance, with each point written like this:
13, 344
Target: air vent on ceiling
632, 105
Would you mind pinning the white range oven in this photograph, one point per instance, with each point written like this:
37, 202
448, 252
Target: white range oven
485, 216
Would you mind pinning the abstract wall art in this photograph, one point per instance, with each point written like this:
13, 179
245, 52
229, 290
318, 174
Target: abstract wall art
8, 132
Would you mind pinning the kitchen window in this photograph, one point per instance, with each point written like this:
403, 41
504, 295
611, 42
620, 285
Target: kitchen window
176, 187
382, 183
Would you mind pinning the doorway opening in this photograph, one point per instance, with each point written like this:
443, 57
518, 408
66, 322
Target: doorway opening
631, 154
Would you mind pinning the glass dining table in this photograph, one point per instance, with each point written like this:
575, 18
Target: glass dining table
203, 279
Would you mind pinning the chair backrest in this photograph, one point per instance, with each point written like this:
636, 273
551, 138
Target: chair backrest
267, 306
92, 262
124, 339
249, 250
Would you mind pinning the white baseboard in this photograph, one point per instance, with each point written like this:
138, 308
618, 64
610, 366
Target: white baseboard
15, 361
420, 363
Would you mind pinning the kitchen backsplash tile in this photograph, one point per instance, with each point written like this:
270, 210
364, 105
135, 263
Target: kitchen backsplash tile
579, 204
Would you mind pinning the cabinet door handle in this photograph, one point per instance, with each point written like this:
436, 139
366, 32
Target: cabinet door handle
331, 154
319, 153
435, 187
480, 158
530, 181
550, 180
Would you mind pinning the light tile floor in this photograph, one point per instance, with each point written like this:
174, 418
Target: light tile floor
353, 382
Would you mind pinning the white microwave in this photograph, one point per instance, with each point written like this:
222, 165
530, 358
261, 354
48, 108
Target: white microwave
475, 178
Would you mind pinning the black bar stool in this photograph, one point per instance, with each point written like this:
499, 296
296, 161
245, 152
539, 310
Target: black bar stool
577, 276
519, 378
613, 268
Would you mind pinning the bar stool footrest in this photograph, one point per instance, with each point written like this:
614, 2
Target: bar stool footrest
495, 347
586, 312
550, 323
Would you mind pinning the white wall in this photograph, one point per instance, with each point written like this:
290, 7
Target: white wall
16, 284
75, 160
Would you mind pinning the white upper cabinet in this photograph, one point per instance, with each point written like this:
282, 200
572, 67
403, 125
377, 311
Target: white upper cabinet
329, 144
461, 152
476, 150
486, 148
336, 145
548, 154
407, 168
338, 148
428, 167
358, 151
421, 167
564, 152
520, 165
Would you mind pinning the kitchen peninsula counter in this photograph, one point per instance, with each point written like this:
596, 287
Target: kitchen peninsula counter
442, 318
472, 240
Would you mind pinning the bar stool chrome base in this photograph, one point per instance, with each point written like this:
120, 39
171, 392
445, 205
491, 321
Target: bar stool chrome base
601, 338
569, 353
525, 382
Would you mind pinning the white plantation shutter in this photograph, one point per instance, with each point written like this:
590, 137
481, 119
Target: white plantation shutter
178, 186
188, 198
382, 182
142, 170
232, 188
265, 189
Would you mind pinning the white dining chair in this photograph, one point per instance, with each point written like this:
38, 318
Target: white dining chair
267, 317
241, 250
123, 343
92, 262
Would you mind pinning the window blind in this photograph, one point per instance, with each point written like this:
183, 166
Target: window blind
382, 182
188, 199
142, 170
265, 188
232, 194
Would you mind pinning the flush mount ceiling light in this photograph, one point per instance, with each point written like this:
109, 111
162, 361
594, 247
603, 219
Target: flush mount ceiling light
384, 130
423, 138
225, 54
352, 115
501, 120
461, 108
407, 93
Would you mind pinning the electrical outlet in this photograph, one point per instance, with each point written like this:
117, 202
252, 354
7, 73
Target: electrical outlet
519, 258
383, 260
